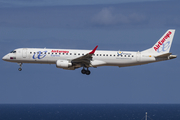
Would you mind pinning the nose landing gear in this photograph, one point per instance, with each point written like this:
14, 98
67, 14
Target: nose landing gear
20, 69
84, 71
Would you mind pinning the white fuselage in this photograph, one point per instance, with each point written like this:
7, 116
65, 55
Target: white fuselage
100, 58
71, 59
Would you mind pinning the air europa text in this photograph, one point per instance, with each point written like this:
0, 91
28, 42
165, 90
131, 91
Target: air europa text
58, 51
162, 41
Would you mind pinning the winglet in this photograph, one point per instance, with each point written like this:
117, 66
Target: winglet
92, 52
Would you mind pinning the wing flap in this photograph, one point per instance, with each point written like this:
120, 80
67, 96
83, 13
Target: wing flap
85, 59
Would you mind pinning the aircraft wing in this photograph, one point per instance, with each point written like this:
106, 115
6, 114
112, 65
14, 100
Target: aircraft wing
85, 60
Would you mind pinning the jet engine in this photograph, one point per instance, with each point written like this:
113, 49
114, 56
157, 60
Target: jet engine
63, 64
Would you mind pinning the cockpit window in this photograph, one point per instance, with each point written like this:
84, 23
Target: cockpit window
13, 51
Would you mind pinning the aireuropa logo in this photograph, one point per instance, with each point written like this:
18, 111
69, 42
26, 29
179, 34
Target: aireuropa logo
162, 42
39, 55
164, 47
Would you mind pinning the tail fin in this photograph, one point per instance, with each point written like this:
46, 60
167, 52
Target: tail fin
163, 45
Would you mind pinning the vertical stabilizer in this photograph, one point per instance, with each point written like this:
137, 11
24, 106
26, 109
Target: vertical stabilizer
163, 45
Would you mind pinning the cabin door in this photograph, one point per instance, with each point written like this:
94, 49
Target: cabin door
24, 52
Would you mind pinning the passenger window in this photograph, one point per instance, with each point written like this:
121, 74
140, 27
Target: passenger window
30, 52
83, 54
74, 53
70, 53
103, 54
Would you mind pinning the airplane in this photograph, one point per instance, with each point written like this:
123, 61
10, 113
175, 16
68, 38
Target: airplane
71, 59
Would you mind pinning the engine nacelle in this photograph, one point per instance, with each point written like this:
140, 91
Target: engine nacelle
63, 64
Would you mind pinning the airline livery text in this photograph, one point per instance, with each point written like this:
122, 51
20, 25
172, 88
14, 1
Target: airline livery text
162, 41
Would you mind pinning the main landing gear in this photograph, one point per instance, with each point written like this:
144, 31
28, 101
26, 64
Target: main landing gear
20, 64
84, 71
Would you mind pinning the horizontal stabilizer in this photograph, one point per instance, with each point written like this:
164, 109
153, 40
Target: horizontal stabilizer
164, 55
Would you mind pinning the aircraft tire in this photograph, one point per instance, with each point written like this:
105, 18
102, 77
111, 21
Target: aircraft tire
83, 71
20, 69
88, 72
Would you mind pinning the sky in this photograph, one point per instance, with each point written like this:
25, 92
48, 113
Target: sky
22, 3
131, 25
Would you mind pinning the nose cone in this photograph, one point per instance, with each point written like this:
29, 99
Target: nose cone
5, 57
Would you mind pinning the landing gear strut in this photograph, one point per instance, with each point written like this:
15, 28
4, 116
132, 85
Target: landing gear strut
84, 71
20, 64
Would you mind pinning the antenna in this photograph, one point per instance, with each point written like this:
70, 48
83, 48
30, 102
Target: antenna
146, 116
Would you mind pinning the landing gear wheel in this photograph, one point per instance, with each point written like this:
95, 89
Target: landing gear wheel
20, 64
88, 72
19, 69
83, 71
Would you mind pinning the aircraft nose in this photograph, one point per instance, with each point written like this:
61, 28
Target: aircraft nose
5, 57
